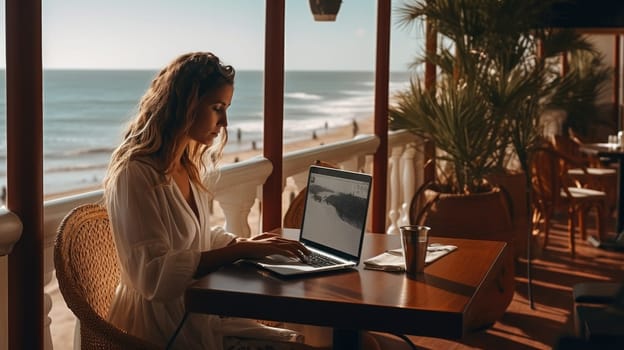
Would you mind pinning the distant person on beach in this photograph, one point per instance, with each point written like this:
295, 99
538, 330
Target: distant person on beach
356, 128
158, 192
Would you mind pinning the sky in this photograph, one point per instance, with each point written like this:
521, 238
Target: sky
148, 34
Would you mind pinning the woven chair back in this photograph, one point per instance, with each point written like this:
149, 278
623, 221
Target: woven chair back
88, 272
546, 173
88, 260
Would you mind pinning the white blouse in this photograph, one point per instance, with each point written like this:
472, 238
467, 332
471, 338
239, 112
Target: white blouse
159, 240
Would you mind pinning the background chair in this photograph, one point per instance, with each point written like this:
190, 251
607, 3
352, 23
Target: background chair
87, 271
554, 189
601, 176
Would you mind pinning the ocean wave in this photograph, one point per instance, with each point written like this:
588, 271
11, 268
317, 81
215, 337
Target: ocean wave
367, 93
61, 154
73, 101
303, 96
94, 150
75, 168
306, 126
345, 109
392, 85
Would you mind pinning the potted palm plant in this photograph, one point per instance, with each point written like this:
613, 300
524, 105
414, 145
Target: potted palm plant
457, 119
483, 79
461, 202
493, 85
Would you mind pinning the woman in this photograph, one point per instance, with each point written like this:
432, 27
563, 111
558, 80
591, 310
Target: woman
156, 189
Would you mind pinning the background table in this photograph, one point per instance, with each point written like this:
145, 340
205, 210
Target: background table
616, 153
452, 297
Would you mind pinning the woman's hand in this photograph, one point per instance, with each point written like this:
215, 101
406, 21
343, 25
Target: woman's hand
250, 248
270, 243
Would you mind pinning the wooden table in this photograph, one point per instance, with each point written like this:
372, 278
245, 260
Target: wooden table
451, 298
606, 150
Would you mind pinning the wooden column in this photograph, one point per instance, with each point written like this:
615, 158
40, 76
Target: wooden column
25, 171
382, 78
431, 46
273, 112
616, 80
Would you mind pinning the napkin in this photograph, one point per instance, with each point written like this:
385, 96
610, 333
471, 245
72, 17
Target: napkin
392, 260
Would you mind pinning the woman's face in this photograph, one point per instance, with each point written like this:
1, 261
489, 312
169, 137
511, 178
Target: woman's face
211, 115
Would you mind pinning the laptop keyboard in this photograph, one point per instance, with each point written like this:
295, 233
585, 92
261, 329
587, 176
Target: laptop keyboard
318, 260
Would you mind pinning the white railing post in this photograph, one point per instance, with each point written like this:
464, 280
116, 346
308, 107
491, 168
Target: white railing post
393, 192
236, 205
409, 180
47, 306
10, 233
405, 158
4, 306
236, 191
53, 213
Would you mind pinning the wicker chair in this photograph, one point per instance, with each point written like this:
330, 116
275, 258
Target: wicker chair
87, 271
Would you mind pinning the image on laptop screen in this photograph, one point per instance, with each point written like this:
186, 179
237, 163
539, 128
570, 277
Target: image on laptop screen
335, 209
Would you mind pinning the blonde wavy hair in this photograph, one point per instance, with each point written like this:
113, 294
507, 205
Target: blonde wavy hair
166, 113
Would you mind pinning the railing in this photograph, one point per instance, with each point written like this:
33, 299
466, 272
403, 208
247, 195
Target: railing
238, 190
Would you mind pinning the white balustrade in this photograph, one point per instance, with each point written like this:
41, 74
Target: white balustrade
405, 157
349, 155
10, 233
410, 178
239, 186
237, 189
393, 194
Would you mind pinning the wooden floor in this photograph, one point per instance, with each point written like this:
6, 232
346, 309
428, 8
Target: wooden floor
554, 273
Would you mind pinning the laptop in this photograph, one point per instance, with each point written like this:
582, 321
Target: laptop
333, 224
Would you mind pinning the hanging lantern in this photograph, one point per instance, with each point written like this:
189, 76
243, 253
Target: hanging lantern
325, 10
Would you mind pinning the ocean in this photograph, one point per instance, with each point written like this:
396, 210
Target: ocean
85, 112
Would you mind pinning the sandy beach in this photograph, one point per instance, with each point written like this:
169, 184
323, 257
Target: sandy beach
320, 137
63, 320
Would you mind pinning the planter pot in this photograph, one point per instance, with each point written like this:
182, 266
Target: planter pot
478, 216
484, 216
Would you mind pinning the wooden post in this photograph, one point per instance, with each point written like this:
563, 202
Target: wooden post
273, 113
25, 171
382, 77
616, 81
431, 46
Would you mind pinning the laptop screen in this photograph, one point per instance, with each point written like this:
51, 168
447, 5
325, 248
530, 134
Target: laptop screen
335, 211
